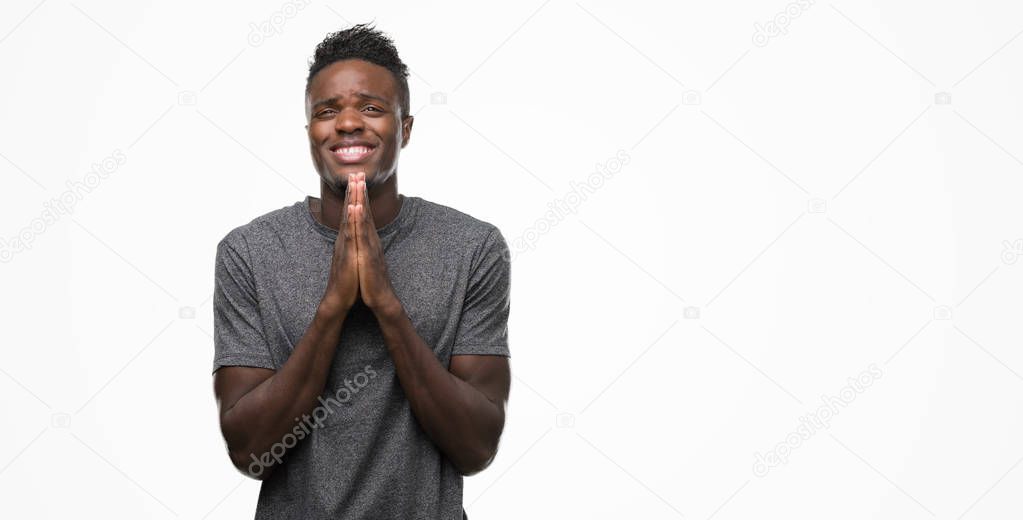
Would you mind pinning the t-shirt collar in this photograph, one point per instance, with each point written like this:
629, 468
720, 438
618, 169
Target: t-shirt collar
331, 234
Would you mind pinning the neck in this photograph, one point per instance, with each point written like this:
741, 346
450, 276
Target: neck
383, 201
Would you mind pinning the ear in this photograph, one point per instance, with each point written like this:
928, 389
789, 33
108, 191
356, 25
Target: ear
406, 130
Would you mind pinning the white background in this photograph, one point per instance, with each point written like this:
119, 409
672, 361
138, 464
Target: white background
817, 201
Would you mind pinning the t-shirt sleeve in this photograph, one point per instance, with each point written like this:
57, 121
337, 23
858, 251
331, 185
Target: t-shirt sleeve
238, 338
483, 325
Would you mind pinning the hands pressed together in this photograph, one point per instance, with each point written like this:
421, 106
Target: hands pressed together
358, 270
461, 406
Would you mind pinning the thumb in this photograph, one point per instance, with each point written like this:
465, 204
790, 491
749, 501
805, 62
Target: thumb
350, 226
351, 245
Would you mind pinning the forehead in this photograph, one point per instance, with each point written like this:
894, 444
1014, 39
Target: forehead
346, 77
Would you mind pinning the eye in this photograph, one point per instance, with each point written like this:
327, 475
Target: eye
374, 108
325, 112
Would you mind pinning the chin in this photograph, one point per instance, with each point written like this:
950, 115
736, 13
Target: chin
335, 182
338, 181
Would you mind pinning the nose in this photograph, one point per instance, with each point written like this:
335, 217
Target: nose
348, 120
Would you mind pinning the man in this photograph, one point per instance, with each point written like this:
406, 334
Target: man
361, 364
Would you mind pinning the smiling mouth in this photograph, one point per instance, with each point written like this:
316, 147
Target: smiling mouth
352, 154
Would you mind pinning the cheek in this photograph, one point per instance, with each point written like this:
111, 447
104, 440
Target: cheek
319, 131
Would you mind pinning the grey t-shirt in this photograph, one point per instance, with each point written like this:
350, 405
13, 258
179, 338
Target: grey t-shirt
361, 453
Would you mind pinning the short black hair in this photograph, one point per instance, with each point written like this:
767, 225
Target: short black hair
364, 42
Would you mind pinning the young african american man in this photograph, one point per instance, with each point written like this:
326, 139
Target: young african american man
361, 350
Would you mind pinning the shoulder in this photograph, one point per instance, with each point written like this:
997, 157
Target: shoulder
454, 223
455, 232
261, 227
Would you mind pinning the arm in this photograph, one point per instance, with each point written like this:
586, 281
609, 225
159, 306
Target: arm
259, 406
461, 410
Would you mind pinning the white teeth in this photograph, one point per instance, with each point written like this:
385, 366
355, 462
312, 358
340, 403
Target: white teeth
352, 150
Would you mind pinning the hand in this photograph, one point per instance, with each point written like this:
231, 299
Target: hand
374, 282
343, 281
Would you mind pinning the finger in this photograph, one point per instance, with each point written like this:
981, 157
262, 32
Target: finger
355, 219
356, 199
369, 210
360, 228
348, 198
351, 241
372, 238
360, 231
356, 196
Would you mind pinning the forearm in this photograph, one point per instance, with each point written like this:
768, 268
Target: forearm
460, 419
264, 415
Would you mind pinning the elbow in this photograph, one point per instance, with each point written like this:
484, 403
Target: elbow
478, 454
243, 456
246, 462
476, 460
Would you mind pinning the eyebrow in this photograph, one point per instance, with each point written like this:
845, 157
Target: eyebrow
333, 100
